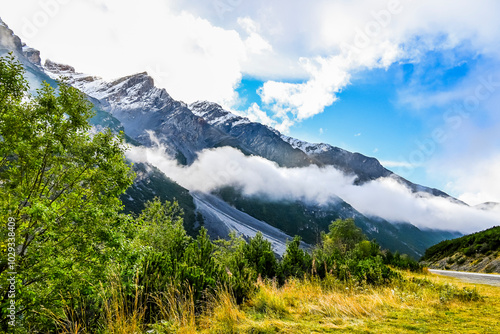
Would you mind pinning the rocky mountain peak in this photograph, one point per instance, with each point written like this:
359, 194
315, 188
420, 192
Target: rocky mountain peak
135, 91
57, 68
139, 78
214, 114
33, 55
308, 148
8, 40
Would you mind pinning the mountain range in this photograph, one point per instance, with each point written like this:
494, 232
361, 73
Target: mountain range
152, 120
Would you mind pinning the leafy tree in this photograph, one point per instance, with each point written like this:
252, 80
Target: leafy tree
345, 235
60, 184
161, 228
345, 254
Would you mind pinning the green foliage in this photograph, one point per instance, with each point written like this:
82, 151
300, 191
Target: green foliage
401, 261
161, 228
345, 235
296, 262
447, 292
234, 269
477, 243
345, 254
151, 181
260, 256
61, 185
172, 261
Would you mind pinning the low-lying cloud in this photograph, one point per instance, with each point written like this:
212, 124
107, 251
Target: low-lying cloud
385, 198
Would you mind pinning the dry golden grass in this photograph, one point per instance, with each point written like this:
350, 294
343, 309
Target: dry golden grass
177, 310
122, 316
222, 314
422, 303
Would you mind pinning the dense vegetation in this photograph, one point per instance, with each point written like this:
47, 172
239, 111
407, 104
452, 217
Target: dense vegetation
72, 261
484, 242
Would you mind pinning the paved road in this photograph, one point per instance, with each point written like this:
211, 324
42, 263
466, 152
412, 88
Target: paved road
476, 278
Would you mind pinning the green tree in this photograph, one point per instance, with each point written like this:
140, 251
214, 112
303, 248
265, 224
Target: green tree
60, 184
296, 262
260, 256
161, 228
233, 267
345, 235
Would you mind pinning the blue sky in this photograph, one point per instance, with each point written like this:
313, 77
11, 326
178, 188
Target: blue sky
414, 84
370, 116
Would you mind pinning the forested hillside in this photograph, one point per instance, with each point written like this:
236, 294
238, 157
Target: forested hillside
474, 252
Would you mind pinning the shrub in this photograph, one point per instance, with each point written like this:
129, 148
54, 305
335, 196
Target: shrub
296, 262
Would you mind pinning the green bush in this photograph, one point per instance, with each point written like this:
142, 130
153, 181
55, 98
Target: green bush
260, 256
345, 254
296, 262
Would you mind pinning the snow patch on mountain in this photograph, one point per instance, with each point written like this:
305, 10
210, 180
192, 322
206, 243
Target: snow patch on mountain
308, 148
134, 92
215, 115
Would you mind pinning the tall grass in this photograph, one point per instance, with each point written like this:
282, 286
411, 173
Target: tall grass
298, 306
122, 315
176, 311
221, 313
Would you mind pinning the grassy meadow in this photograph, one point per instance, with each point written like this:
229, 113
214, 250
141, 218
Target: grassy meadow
419, 303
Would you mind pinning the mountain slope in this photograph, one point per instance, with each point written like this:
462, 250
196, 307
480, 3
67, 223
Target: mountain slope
149, 116
309, 220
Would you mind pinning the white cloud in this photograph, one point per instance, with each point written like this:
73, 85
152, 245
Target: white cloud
187, 55
384, 198
255, 44
255, 114
306, 51
305, 100
478, 182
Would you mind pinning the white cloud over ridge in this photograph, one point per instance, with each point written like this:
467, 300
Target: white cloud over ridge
201, 50
385, 198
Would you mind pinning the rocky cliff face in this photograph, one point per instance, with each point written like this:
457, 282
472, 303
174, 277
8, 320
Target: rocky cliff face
254, 138
148, 114
9, 42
